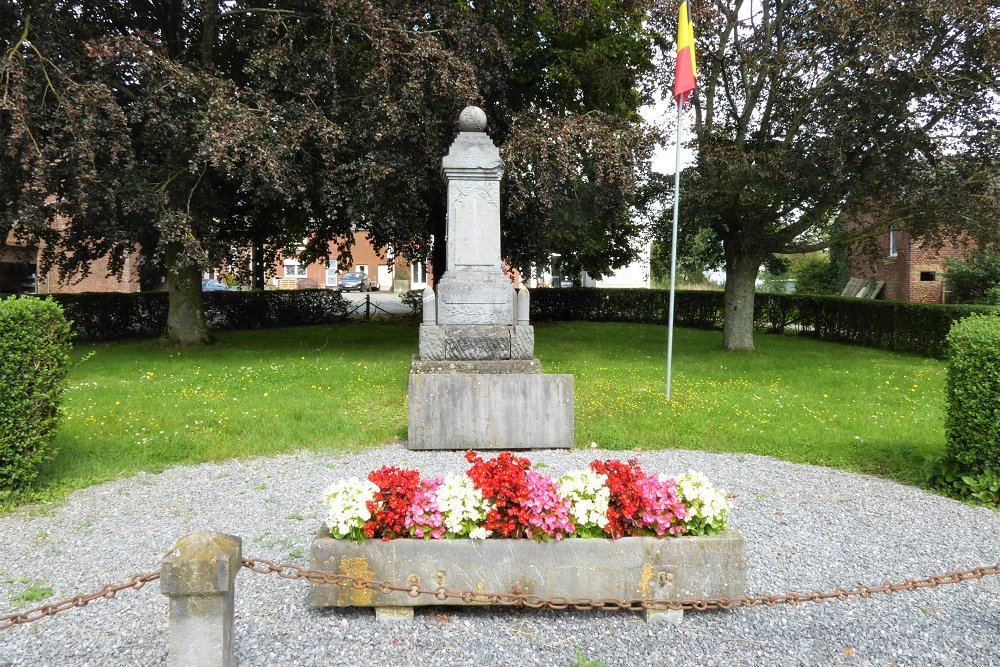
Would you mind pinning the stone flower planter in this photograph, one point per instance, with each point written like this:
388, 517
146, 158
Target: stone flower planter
628, 568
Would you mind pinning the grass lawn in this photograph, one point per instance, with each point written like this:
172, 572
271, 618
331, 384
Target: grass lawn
135, 406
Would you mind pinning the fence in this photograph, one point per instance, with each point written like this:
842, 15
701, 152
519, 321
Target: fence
198, 576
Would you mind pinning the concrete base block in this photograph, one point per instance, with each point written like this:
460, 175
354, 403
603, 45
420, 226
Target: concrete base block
393, 614
461, 411
628, 568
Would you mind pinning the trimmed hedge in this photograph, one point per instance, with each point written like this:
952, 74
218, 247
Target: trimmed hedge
900, 327
972, 422
34, 357
114, 315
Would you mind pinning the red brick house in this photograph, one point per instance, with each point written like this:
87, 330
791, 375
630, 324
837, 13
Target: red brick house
19, 273
389, 273
912, 271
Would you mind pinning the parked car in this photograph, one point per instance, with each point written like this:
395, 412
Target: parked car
355, 281
215, 286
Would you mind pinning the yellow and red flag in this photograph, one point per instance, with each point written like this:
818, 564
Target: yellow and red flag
686, 73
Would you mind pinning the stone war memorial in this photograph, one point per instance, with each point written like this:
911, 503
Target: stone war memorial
476, 383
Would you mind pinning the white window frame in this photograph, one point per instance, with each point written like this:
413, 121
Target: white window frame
418, 270
893, 247
361, 268
331, 270
297, 270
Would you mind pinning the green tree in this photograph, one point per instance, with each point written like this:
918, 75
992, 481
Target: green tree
818, 123
191, 130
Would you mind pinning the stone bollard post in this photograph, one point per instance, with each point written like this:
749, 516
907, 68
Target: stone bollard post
197, 575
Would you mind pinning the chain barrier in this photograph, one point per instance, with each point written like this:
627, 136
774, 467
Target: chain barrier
517, 598
521, 599
107, 592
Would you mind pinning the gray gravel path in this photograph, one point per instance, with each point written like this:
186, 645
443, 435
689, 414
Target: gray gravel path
806, 527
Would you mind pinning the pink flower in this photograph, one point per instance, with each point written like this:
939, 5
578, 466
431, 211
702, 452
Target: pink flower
423, 519
660, 506
546, 512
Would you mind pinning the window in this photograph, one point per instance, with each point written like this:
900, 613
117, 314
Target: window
928, 276
418, 274
361, 268
331, 275
893, 250
293, 269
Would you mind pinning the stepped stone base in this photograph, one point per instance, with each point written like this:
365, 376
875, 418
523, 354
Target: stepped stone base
479, 342
460, 405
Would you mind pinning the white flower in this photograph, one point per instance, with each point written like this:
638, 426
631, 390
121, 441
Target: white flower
462, 505
479, 533
707, 506
589, 496
347, 501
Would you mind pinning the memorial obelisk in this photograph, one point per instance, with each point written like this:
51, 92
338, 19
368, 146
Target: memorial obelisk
475, 383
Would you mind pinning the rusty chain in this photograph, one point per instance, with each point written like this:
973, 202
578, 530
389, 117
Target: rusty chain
521, 599
107, 592
516, 598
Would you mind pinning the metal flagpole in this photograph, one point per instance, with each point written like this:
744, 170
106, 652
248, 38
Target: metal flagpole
673, 250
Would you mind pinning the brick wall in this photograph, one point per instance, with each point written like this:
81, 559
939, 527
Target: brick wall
97, 280
363, 254
915, 274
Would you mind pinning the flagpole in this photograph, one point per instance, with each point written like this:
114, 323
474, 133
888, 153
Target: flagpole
673, 249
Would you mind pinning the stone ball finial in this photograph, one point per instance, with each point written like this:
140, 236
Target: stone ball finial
472, 119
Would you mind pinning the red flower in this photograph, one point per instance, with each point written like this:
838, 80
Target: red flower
392, 501
624, 504
503, 482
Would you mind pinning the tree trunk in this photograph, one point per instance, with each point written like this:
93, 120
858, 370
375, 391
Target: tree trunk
186, 312
737, 328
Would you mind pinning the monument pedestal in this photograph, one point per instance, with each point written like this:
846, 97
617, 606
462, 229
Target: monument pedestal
489, 405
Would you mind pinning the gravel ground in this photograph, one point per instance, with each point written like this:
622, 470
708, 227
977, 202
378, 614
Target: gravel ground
806, 528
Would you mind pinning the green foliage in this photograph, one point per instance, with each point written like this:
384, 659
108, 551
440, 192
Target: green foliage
583, 661
901, 327
413, 299
114, 315
34, 355
973, 391
786, 109
955, 480
34, 591
815, 275
194, 130
976, 280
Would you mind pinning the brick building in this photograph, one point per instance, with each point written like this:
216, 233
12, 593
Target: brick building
912, 271
19, 274
389, 273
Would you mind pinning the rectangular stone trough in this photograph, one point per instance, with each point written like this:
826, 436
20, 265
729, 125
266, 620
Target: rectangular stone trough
627, 568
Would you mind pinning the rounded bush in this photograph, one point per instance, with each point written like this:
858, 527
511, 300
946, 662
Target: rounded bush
34, 356
972, 422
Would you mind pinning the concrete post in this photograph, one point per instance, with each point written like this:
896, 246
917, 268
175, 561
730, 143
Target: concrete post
197, 575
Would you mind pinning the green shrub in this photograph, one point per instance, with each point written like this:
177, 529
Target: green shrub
972, 422
99, 316
413, 299
976, 280
815, 275
34, 355
957, 481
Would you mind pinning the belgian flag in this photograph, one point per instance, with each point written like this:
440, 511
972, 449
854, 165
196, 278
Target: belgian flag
686, 73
